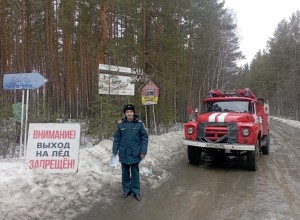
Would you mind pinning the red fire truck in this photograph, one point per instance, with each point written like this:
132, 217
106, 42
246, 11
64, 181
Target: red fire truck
234, 123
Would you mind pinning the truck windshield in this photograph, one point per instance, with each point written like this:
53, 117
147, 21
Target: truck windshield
228, 106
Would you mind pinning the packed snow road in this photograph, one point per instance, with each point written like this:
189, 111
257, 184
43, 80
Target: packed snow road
220, 189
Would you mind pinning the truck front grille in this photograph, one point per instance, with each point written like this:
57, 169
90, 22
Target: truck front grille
213, 133
218, 132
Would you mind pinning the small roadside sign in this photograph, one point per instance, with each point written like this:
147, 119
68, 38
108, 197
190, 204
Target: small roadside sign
53, 147
23, 81
17, 110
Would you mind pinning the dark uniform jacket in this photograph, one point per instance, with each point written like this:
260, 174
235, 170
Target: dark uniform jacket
130, 140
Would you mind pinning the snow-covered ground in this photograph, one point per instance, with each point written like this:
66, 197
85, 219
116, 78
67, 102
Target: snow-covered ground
27, 194
293, 123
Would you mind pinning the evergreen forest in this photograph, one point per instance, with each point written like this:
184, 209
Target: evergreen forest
187, 46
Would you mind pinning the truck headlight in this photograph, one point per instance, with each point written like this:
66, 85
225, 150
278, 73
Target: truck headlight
246, 132
190, 130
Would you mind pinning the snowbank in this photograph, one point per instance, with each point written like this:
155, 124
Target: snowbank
39, 195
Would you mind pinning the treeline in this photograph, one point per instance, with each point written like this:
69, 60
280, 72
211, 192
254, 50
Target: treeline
275, 72
187, 46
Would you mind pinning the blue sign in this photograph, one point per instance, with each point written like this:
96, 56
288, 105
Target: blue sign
23, 81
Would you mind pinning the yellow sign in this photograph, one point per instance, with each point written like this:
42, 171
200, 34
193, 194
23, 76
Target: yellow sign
149, 100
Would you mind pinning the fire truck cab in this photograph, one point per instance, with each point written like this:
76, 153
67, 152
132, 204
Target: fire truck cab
233, 123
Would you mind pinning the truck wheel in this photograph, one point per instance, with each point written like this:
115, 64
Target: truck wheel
194, 154
265, 148
252, 157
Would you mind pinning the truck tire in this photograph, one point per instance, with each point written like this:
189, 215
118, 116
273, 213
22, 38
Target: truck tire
266, 148
252, 157
194, 154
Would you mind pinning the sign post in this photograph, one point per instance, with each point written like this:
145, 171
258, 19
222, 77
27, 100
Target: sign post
22, 81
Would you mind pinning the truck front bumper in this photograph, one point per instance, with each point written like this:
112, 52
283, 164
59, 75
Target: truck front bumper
242, 147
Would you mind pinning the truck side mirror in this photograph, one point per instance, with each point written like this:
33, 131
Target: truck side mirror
261, 101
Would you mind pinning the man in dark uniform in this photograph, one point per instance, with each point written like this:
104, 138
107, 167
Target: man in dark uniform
131, 143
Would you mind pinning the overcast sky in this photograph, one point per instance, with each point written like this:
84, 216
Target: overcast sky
257, 21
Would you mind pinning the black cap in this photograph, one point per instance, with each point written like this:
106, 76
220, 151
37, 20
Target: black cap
128, 107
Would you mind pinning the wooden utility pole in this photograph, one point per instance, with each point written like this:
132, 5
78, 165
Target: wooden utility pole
146, 47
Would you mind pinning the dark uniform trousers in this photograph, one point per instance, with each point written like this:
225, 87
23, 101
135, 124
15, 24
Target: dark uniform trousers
131, 178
